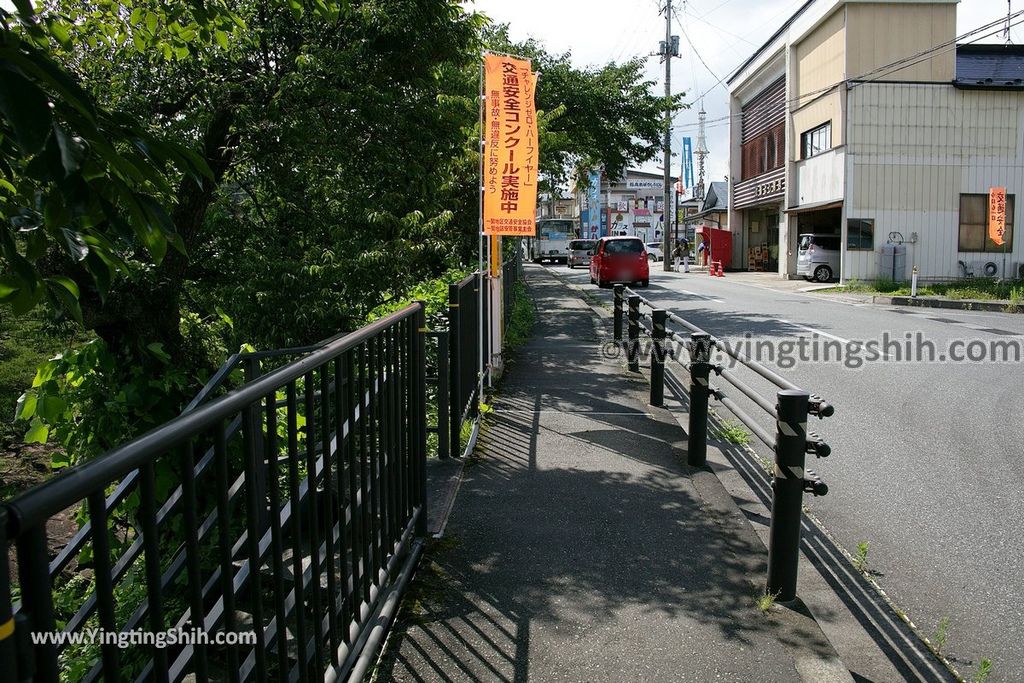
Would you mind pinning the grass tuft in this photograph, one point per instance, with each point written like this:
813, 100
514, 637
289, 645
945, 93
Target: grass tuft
734, 432
765, 601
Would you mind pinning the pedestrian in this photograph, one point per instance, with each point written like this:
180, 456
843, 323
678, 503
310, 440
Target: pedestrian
677, 255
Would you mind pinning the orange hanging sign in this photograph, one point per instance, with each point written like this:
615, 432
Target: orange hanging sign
510, 149
997, 215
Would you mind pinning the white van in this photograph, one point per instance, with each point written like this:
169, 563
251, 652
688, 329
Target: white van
817, 257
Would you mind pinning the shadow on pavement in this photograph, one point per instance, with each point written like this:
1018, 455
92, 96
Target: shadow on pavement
579, 547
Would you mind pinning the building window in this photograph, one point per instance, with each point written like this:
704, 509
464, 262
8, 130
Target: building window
816, 140
974, 224
764, 153
860, 234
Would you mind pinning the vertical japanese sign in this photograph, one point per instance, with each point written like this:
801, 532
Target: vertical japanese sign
594, 199
997, 215
511, 154
687, 163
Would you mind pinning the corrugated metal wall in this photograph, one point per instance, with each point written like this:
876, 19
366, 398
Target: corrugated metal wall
913, 149
765, 110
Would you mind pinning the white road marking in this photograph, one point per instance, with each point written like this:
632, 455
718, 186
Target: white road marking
701, 296
817, 332
820, 333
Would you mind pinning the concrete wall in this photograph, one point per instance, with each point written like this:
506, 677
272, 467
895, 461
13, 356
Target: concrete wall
913, 149
820, 178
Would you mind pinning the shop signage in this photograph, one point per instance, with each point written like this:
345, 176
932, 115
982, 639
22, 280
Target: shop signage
769, 188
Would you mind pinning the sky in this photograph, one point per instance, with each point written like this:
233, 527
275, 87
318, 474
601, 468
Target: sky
716, 36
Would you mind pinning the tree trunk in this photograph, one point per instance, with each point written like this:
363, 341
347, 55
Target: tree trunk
146, 307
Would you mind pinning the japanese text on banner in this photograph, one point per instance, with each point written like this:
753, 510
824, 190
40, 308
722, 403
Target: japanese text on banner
510, 161
997, 215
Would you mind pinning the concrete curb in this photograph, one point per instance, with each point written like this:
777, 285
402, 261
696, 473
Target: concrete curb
953, 304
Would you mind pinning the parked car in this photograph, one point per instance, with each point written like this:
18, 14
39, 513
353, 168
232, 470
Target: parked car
654, 252
580, 252
817, 257
619, 259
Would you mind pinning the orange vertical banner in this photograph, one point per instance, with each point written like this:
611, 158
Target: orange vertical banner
997, 215
511, 150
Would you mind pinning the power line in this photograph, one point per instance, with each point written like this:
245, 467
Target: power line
694, 48
895, 66
717, 28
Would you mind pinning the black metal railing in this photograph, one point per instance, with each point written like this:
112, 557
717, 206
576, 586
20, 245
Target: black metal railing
790, 442
469, 352
294, 525
465, 354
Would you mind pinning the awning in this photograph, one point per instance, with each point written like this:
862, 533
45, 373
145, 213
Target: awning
816, 206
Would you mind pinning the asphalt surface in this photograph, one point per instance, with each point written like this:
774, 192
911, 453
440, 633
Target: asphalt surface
582, 548
926, 462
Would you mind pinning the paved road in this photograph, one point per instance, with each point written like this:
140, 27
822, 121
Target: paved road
927, 456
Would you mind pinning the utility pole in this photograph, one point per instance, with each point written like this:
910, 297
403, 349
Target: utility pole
669, 49
1009, 15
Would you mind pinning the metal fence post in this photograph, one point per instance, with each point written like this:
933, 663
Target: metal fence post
443, 432
420, 382
787, 493
700, 369
8, 655
37, 599
658, 318
617, 317
252, 370
633, 346
456, 399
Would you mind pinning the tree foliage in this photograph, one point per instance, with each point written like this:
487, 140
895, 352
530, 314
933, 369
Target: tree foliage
605, 116
82, 187
289, 166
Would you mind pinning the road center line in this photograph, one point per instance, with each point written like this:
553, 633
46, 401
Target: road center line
817, 332
701, 296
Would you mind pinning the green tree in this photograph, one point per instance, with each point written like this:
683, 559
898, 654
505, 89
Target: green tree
605, 116
82, 188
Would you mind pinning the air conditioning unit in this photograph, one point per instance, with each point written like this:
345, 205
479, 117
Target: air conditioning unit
1017, 271
987, 269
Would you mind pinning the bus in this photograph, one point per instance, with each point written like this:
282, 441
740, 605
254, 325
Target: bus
551, 242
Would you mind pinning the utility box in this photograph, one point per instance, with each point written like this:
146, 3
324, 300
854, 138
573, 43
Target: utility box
892, 262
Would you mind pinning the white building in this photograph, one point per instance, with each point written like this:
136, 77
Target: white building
631, 205
865, 120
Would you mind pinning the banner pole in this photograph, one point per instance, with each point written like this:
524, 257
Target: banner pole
481, 268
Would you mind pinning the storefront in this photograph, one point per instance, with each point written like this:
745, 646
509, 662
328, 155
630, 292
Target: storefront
756, 209
760, 248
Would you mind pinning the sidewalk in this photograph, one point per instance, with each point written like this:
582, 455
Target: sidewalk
582, 548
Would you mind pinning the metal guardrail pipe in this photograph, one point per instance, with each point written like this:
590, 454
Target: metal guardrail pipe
687, 324
773, 377
791, 443
787, 493
746, 390
749, 422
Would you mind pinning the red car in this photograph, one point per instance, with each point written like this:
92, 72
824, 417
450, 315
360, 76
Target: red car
619, 259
